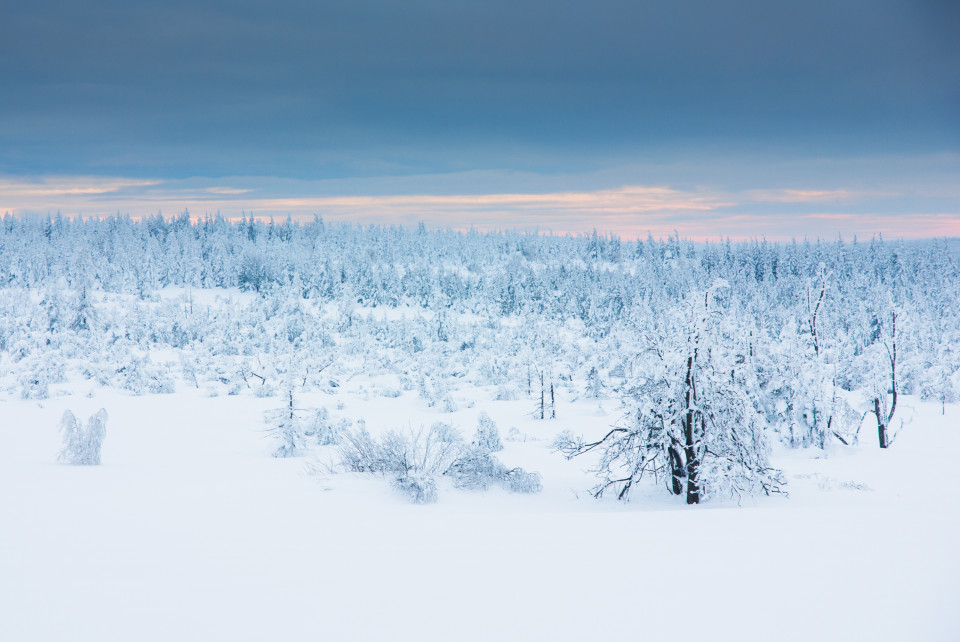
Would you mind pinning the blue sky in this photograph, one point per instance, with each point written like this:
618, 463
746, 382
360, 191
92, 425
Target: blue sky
712, 118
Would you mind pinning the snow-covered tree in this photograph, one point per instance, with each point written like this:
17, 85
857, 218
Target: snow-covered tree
487, 436
82, 442
691, 425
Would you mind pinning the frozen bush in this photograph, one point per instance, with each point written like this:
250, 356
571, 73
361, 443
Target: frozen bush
415, 459
514, 434
299, 430
390, 393
520, 481
34, 386
477, 469
429, 452
81, 444
447, 404
323, 431
264, 390
487, 437
289, 432
507, 392
162, 386
418, 487
139, 376
361, 453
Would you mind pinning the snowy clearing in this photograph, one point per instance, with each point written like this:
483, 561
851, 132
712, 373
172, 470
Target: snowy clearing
222, 541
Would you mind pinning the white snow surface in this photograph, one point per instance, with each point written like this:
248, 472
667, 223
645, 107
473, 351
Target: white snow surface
190, 530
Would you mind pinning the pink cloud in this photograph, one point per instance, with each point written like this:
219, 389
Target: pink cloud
630, 211
802, 195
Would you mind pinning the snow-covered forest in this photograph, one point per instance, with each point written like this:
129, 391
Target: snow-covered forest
544, 369
154, 306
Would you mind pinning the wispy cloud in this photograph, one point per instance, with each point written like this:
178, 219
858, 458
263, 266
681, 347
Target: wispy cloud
631, 210
801, 195
53, 187
228, 191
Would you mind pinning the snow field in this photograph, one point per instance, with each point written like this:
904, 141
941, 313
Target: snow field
190, 530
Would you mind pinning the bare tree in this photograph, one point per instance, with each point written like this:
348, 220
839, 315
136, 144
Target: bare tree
691, 424
883, 407
815, 296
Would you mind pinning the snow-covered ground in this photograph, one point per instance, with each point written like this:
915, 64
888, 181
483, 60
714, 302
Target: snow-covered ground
190, 530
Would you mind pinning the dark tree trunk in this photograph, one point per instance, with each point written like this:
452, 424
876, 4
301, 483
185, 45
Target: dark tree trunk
881, 427
689, 437
542, 400
883, 423
676, 471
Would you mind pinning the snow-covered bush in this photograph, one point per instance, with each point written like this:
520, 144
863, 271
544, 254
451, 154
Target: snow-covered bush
401, 453
487, 436
419, 488
323, 430
298, 430
477, 469
140, 376
288, 430
81, 443
507, 392
416, 459
34, 386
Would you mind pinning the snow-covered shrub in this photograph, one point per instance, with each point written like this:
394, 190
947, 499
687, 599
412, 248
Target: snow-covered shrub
263, 391
507, 392
81, 443
361, 453
389, 393
447, 404
288, 430
38, 374
419, 488
34, 386
487, 436
299, 430
416, 459
477, 469
323, 430
430, 452
140, 377
435, 393
518, 480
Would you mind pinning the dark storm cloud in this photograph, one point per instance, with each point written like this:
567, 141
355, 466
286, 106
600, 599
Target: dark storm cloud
369, 86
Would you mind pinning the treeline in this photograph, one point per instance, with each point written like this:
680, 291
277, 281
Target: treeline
805, 324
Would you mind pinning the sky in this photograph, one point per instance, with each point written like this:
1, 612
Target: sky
741, 118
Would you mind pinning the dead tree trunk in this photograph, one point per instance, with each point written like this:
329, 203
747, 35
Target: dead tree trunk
689, 434
676, 471
884, 418
813, 308
542, 399
881, 424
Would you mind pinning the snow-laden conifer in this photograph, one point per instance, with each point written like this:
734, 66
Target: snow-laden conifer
82, 442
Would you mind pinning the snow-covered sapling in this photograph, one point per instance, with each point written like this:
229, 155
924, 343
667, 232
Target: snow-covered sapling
81, 444
487, 436
298, 430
